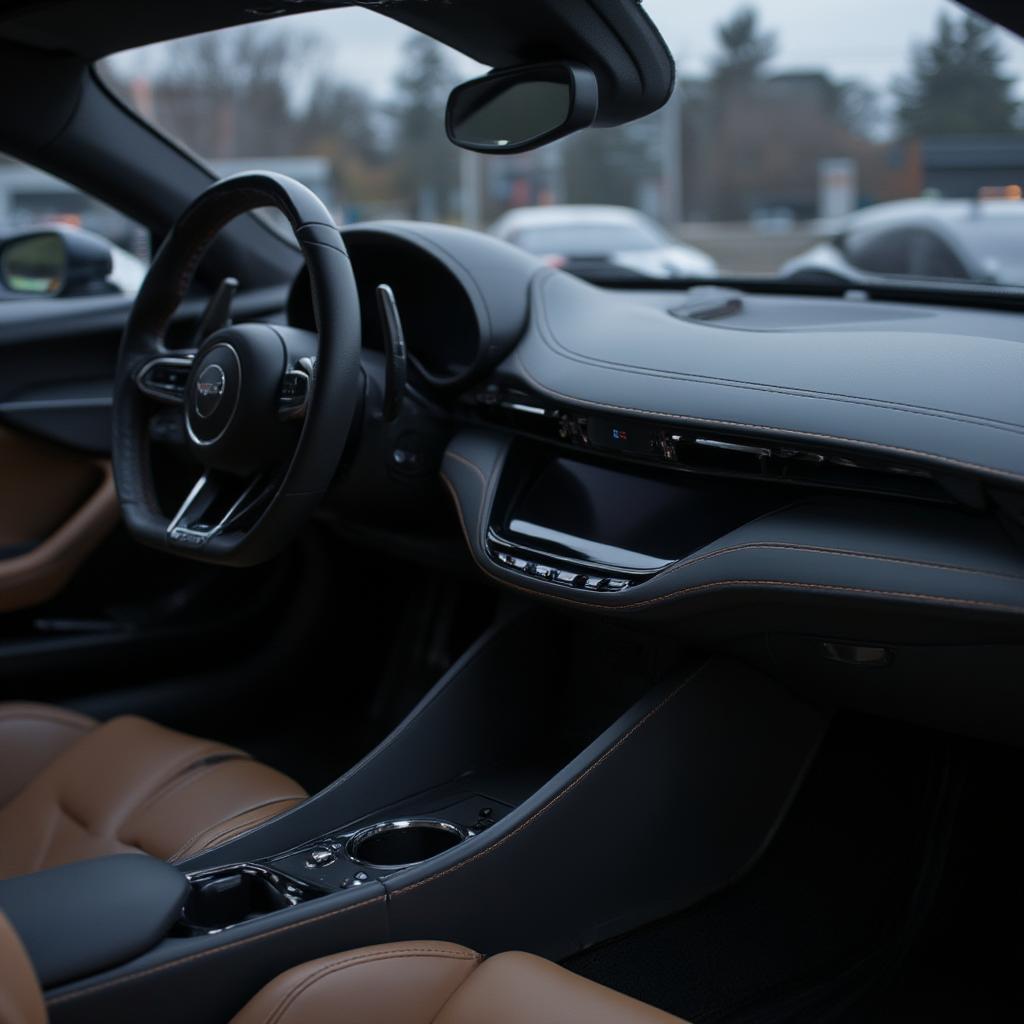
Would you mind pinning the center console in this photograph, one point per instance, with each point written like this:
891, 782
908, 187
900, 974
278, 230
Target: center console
549, 792
357, 855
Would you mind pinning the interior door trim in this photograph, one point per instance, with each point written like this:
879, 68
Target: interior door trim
40, 573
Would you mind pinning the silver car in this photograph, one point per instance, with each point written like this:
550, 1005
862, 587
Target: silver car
602, 242
965, 239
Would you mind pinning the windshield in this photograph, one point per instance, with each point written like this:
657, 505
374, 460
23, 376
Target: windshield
585, 239
788, 119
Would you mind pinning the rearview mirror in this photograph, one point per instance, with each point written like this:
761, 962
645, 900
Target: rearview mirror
55, 262
517, 109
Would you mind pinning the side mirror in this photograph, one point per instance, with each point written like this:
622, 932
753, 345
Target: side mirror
516, 109
56, 262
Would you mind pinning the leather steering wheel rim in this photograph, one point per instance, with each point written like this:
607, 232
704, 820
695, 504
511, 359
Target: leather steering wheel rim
334, 388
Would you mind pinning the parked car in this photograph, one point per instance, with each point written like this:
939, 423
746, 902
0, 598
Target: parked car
959, 239
602, 242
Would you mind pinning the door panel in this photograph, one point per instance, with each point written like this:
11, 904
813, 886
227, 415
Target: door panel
57, 498
57, 506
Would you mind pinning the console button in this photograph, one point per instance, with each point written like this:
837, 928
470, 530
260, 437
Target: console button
614, 584
594, 583
321, 857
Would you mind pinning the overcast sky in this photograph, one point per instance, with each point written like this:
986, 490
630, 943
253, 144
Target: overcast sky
867, 39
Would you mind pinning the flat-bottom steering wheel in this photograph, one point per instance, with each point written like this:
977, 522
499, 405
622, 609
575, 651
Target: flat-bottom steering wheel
267, 408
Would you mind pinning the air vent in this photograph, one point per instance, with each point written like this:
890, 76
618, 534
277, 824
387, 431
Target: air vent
698, 451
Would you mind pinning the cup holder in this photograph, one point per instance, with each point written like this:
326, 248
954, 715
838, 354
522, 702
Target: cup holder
222, 897
397, 844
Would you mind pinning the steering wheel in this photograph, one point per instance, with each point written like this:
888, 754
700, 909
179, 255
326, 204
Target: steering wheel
267, 409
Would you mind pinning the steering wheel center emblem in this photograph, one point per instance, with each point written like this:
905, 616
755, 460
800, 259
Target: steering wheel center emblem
209, 390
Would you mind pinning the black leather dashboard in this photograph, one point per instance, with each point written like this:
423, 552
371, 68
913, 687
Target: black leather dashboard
940, 386
933, 394
834, 565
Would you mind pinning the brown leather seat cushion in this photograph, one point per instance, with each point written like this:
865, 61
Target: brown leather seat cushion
439, 983
76, 789
401, 983
21, 998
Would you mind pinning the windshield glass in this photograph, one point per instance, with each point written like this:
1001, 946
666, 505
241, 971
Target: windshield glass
788, 120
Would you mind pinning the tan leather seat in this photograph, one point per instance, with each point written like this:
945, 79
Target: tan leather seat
401, 983
439, 983
72, 788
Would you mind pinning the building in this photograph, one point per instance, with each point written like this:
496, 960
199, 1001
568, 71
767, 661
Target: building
960, 166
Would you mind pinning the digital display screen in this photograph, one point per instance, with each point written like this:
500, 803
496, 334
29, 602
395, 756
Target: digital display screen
625, 517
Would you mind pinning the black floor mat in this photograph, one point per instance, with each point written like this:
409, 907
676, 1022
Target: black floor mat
833, 914
969, 957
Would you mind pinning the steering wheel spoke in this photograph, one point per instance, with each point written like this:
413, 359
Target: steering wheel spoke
165, 377
212, 506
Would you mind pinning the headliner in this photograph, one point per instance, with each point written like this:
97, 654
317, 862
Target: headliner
91, 29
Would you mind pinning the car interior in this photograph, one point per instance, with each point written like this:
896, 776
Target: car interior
398, 628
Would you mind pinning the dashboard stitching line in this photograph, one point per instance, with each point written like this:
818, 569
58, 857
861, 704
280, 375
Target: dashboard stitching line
771, 429
815, 549
550, 339
719, 584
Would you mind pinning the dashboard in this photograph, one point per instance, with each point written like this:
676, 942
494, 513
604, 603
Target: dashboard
715, 462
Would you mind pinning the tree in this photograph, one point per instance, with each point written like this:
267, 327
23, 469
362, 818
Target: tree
609, 165
745, 51
427, 163
857, 109
955, 83
737, 73
339, 121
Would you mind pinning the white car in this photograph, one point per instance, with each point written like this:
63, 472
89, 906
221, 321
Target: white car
966, 239
602, 242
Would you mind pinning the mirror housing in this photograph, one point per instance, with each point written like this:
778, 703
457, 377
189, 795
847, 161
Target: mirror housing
512, 110
57, 261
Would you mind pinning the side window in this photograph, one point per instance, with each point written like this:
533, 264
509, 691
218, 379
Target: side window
58, 241
884, 251
930, 256
911, 251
